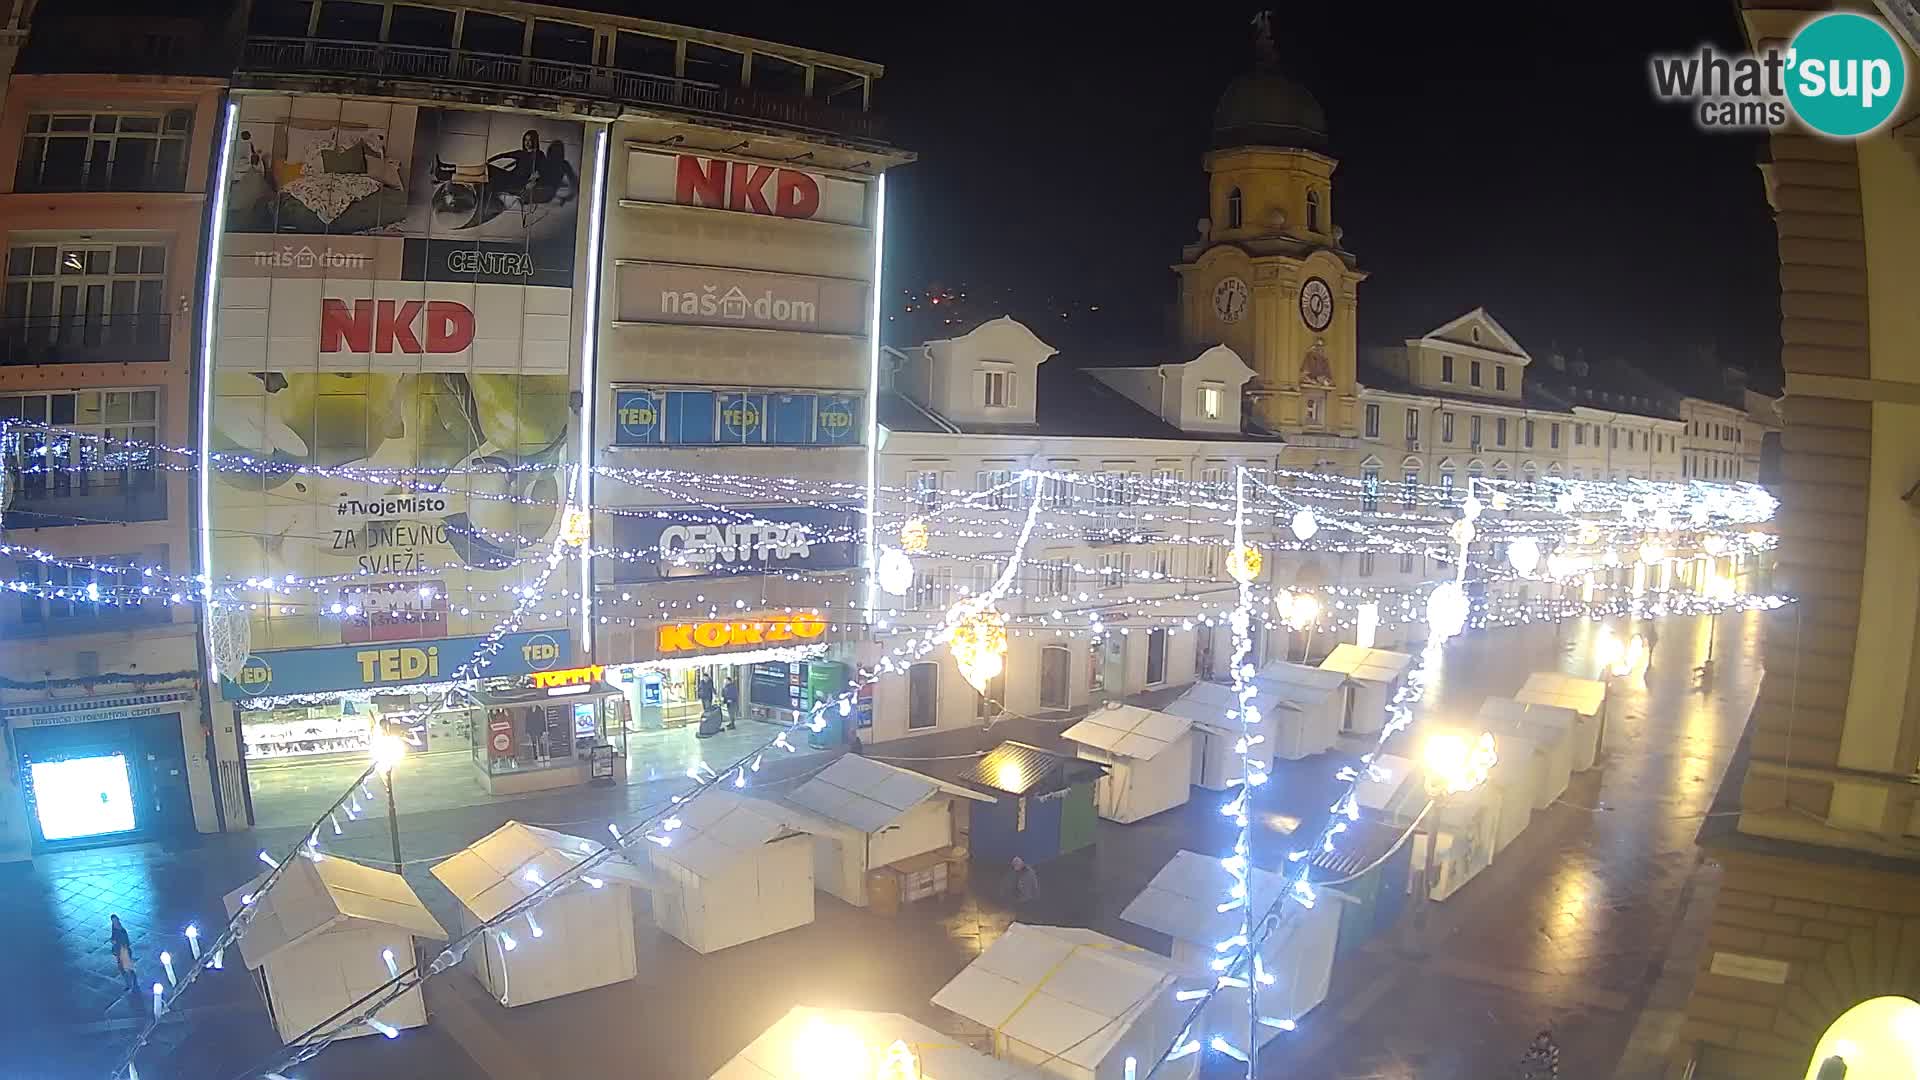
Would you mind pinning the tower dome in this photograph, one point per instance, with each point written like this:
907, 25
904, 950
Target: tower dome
1263, 107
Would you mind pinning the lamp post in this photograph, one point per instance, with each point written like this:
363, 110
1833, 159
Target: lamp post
388, 748
1453, 764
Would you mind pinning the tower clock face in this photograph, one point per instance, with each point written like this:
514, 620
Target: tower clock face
1230, 299
1316, 304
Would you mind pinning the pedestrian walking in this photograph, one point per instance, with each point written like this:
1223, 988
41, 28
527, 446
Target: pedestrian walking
122, 946
730, 696
1652, 638
704, 689
1024, 885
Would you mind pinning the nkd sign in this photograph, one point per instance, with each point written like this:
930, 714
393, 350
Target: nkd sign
718, 296
763, 539
744, 187
395, 326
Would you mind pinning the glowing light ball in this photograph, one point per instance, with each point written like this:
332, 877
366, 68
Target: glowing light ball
1716, 544
1663, 519
1652, 553
1303, 609
1303, 525
1499, 500
1524, 554
1462, 532
1453, 763
1589, 533
1471, 507
1244, 563
388, 749
979, 646
824, 1051
1629, 511
576, 527
1564, 502
1447, 609
913, 535
894, 574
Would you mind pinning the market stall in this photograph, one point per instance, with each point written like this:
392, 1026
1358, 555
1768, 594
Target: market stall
1372, 865
1518, 776
1216, 735
579, 938
1551, 731
1048, 809
1373, 678
1183, 902
1301, 706
1075, 1002
1391, 790
1467, 829
1588, 700
320, 939
1148, 756
866, 815
736, 871
536, 737
811, 1044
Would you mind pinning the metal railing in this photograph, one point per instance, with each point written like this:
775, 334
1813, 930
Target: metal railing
85, 339
431, 64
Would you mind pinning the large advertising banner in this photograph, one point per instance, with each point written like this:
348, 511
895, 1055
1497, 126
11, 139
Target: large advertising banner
747, 187
395, 300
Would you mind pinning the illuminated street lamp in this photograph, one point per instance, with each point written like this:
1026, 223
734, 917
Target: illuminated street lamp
1451, 764
387, 750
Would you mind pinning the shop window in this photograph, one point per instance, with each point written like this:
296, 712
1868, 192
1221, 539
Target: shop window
1156, 656
923, 695
426, 27
86, 472
105, 151
644, 53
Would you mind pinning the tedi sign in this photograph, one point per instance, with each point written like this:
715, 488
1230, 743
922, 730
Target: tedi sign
395, 326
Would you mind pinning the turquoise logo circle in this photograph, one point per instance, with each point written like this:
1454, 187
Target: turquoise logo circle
1846, 74
254, 677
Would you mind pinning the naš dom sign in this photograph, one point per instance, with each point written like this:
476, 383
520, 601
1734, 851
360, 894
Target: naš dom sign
695, 636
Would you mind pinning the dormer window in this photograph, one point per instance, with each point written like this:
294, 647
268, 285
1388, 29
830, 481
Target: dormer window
1236, 212
1313, 211
1210, 401
996, 388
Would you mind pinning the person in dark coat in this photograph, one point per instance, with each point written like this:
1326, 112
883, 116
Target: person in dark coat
730, 697
122, 946
1024, 885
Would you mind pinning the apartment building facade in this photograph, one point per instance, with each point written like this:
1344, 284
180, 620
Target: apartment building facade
106, 143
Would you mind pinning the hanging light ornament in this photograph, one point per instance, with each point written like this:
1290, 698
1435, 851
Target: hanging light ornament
1652, 553
1629, 510
895, 572
1524, 554
1663, 519
1499, 500
1462, 531
1244, 563
913, 535
1589, 533
979, 644
1303, 525
1716, 544
576, 527
1471, 507
1447, 609
1564, 501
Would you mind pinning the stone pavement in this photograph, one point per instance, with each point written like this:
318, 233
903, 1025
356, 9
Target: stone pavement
1571, 927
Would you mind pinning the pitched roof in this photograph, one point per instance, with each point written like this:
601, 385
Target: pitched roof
1390, 790
771, 1055
1521, 717
1067, 401
1017, 768
1537, 397
1183, 899
1297, 685
1367, 665
318, 897
1129, 731
1584, 696
870, 795
513, 861
718, 828
1071, 994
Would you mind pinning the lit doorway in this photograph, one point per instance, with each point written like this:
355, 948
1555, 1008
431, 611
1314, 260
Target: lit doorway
79, 798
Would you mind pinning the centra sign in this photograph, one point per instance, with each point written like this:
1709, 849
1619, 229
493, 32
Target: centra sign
694, 636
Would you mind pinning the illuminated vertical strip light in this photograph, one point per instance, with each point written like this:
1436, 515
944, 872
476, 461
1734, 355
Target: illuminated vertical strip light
873, 383
589, 391
209, 306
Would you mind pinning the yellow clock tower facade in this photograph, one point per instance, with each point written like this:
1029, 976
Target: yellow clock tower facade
1268, 277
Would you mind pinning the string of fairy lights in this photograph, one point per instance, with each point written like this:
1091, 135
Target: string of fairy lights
1554, 534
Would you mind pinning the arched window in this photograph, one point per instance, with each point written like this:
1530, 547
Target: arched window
1313, 211
1235, 210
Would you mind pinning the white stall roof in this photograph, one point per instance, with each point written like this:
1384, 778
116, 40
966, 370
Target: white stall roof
513, 861
779, 1053
870, 795
1184, 899
1129, 731
718, 828
1383, 792
1298, 684
1584, 696
317, 897
1367, 665
1510, 712
1069, 993
1206, 704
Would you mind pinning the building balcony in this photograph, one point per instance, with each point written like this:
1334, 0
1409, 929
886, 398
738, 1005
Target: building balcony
271, 56
143, 338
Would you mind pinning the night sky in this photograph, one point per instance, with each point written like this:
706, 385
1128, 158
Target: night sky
1511, 157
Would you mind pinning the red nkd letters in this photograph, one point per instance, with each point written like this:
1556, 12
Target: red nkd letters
386, 326
737, 185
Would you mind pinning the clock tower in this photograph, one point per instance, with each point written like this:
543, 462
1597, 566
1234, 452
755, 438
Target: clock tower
1267, 276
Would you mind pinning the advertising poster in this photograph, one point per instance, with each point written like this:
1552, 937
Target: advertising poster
396, 296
